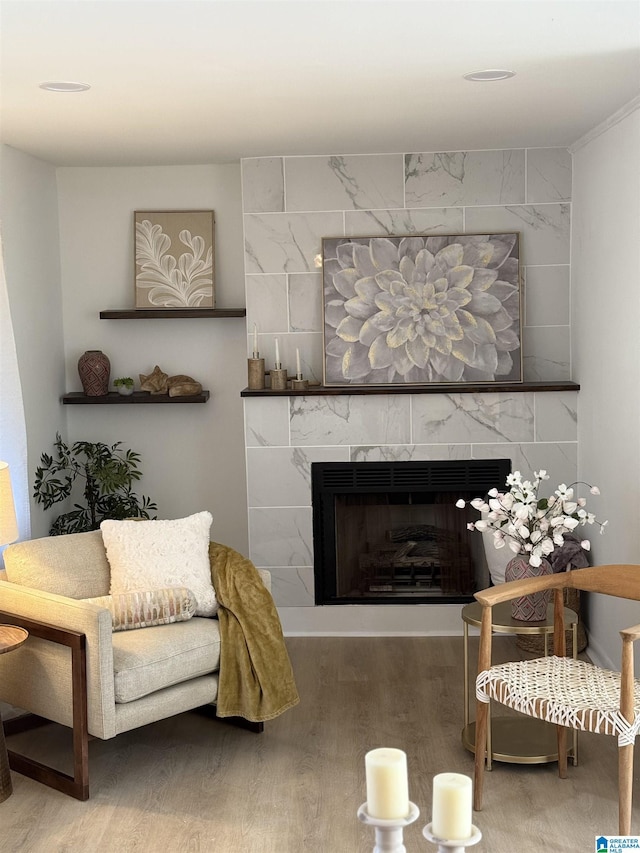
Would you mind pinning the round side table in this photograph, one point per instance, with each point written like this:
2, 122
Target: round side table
10, 638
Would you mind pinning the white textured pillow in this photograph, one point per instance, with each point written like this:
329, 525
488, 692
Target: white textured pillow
146, 555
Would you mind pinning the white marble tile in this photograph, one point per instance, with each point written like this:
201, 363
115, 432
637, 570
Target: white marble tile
266, 303
262, 185
281, 537
305, 302
410, 452
556, 416
548, 175
560, 460
370, 223
546, 352
464, 177
469, 418
287, 242
544, 229
381, 419
547, 296
293, 586
281, 476
344, 183
266, 421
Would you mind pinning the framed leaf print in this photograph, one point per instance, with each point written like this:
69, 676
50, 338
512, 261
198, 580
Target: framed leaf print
422, 310
174, 259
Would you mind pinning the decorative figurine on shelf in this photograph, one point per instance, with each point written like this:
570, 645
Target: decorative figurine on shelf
154, 383
183, 386
160, 382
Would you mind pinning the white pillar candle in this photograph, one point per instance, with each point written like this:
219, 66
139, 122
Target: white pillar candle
451, 818
298, 370
277, 355
255, 340
387, 783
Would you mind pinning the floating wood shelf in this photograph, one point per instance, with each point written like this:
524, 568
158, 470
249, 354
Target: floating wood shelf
173, 313
459, 388
78, 398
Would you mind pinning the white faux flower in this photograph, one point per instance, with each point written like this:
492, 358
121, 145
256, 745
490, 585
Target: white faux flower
529, 524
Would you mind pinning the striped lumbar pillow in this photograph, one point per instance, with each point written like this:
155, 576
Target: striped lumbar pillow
146, 608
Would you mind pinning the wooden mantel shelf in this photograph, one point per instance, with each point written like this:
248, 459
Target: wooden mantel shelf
78, 398
173, 313
458, 388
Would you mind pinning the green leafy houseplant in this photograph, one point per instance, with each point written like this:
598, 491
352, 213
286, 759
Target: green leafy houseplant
124, 381
106, 473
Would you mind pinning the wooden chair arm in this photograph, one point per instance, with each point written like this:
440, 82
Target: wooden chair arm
632, 633
514, 589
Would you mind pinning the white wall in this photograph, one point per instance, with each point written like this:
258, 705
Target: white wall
29, 214
192, 455
605, 268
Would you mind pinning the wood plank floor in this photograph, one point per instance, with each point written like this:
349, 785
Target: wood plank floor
191, 784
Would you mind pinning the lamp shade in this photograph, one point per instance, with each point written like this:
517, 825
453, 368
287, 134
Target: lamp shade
8, 521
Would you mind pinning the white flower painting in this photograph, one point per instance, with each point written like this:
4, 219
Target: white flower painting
421, 310
174, 259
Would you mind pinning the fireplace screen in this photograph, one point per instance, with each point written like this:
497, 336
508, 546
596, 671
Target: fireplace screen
391, 533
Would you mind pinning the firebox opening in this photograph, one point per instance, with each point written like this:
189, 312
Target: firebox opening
391, 533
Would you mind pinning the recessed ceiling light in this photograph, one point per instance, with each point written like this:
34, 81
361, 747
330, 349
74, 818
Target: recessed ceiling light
64, 86
488, 75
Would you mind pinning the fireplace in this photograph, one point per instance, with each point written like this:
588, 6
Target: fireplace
390, 533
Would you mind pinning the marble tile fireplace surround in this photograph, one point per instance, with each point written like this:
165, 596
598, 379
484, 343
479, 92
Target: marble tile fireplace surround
289, 205
286, 434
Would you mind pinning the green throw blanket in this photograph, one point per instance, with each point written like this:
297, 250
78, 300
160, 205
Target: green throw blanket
256, 680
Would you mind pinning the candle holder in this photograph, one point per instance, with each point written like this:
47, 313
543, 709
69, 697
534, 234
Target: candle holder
299, 384
389, 832
452, 845
255, 371
278, 379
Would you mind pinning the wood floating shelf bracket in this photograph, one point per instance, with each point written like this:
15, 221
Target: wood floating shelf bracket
467, 388
173, 314
78, 398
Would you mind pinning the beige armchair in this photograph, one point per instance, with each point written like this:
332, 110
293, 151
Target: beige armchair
76, 671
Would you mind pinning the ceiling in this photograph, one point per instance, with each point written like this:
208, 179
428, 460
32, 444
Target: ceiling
212, 81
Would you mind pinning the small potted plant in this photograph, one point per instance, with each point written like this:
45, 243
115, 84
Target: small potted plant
124, 385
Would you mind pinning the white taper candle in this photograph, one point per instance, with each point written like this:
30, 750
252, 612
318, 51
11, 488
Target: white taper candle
255, 340
387, 783
277, 355
452, 806
298, 370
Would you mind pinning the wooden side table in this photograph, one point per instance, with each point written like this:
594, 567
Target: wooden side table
514, 739
10, 638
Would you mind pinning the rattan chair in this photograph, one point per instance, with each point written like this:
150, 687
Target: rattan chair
570, 693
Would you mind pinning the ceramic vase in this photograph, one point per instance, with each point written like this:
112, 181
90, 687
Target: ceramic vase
528, 608
94, 369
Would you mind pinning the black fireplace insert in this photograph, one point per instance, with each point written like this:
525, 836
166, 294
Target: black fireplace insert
390, 533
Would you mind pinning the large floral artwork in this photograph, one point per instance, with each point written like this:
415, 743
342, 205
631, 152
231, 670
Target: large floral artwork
174, 259
421, 310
